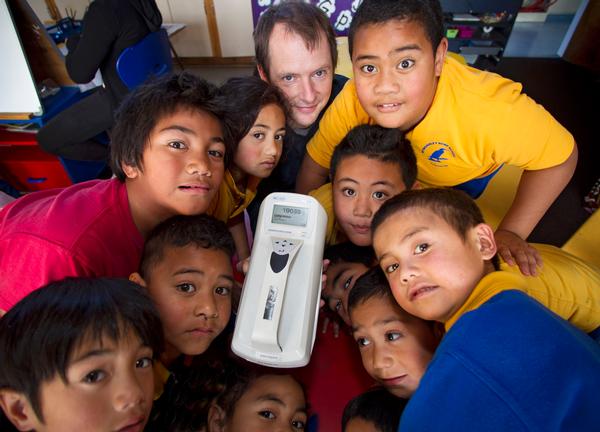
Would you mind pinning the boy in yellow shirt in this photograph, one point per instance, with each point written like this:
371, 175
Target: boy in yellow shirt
463, 124
369, 166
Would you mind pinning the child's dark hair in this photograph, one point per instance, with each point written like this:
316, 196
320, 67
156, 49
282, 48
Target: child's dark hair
428, 13
455, 207
244, 97
382, 144
349, 252
202, 231
377, 406
39, 335
145, 106
304, 19
369, 285
239, 377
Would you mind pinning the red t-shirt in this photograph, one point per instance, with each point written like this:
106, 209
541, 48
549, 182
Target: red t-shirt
83, 230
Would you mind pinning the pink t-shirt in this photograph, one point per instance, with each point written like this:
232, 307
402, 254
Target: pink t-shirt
83, 230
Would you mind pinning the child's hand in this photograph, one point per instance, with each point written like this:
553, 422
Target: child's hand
335, 325
243, 266
514, 250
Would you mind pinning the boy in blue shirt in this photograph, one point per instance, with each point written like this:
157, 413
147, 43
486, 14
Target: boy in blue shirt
503, 352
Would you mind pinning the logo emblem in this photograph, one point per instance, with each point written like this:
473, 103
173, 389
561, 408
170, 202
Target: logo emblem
438, 153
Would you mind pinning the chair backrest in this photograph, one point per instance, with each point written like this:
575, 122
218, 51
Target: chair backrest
149, 57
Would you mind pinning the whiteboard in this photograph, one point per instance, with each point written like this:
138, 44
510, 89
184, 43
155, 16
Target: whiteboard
18, 92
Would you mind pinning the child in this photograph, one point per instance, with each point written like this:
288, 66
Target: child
77, 355
168, 156
503, 352
347, 262
373, 411
369, 166
255, 116
395, 347
463, 124
255, 401
186, 268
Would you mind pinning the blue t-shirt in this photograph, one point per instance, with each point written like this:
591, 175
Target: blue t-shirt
510, 365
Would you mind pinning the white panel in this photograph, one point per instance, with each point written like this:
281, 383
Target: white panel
17, 87
234, 18
193, 41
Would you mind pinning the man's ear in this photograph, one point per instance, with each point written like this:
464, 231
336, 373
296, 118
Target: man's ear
130, 171
216, 419
18, 410
486, 241
440, 56
261, 73
138, 279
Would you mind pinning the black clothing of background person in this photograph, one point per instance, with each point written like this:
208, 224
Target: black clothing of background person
109, 26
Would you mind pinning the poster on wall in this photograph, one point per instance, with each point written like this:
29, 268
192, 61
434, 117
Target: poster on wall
340, 12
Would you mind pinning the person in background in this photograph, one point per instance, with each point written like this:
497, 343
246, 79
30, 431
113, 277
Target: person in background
109, 26
296, 51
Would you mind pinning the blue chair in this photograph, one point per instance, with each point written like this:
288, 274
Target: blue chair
149, 57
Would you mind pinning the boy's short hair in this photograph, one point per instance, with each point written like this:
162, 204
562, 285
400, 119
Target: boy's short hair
382, 144
244, 97
145, 106
377, 406
301, 18
39, 334
237, 378
202, 231
455, 207
428, 13
370, 285
351, 253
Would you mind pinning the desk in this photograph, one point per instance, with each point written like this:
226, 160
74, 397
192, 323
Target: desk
26, 167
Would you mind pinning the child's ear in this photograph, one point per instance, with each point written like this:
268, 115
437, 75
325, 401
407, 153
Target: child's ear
440, 56
216, 419
130, 171
137, 278
416, 185
486, 241
18, 410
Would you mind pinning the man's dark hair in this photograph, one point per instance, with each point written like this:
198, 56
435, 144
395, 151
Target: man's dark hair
379, 143
145, 106
369, 285
202, 231
377, 406
303, 19
244, 97
428, 13
349, 252
39, 335
455, 207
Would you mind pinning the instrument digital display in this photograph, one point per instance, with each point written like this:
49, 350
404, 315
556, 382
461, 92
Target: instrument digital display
288, 215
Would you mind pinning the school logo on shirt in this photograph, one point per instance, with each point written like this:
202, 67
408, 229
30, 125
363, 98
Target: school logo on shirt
438, 153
